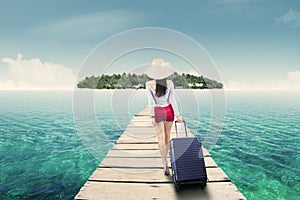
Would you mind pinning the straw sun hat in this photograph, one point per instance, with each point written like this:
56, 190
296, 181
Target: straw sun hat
159, 69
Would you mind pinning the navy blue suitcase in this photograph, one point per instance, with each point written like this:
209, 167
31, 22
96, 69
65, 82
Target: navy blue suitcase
187, 161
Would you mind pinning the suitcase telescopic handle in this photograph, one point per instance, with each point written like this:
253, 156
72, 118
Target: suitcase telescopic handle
184, 128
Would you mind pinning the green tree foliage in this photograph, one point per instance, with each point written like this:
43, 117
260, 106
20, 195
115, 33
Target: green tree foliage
89, 82
117, 81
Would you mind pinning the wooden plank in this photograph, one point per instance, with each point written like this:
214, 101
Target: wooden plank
139, 153
141, 118
137, 191
140, 123
133, 153
145, 147
147, 175
143, 162
143, 140
135, 136
131, 162
129, 134
130, 175
126, 140
216, 175
144, 112
140, 129
135, 146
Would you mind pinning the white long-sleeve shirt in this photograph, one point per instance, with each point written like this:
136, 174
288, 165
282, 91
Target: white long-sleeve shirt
162, 101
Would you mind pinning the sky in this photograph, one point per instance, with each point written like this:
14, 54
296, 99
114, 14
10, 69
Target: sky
255, 44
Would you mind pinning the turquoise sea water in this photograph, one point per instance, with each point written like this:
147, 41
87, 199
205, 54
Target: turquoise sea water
42, 155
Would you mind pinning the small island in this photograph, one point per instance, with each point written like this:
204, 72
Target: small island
134, 81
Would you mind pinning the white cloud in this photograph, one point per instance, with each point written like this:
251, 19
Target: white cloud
33, 74
92, 23
291, 82
292, 18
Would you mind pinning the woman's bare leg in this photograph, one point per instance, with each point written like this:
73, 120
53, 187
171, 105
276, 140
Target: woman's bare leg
168, 126
163, 147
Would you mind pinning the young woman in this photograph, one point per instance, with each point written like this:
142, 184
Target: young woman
162, 105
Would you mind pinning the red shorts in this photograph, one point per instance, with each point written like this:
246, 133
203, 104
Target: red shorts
164, 114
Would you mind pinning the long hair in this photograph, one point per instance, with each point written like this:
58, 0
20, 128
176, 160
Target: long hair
161, 87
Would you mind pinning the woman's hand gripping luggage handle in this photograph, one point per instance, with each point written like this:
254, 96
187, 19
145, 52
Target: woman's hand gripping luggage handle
184, 128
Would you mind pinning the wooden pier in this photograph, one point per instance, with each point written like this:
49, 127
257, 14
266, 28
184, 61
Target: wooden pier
132, 169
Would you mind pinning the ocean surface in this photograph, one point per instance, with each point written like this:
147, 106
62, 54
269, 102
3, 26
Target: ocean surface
45, 152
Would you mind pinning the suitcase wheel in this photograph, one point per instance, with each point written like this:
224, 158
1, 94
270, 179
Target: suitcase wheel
203, 185
177, 185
